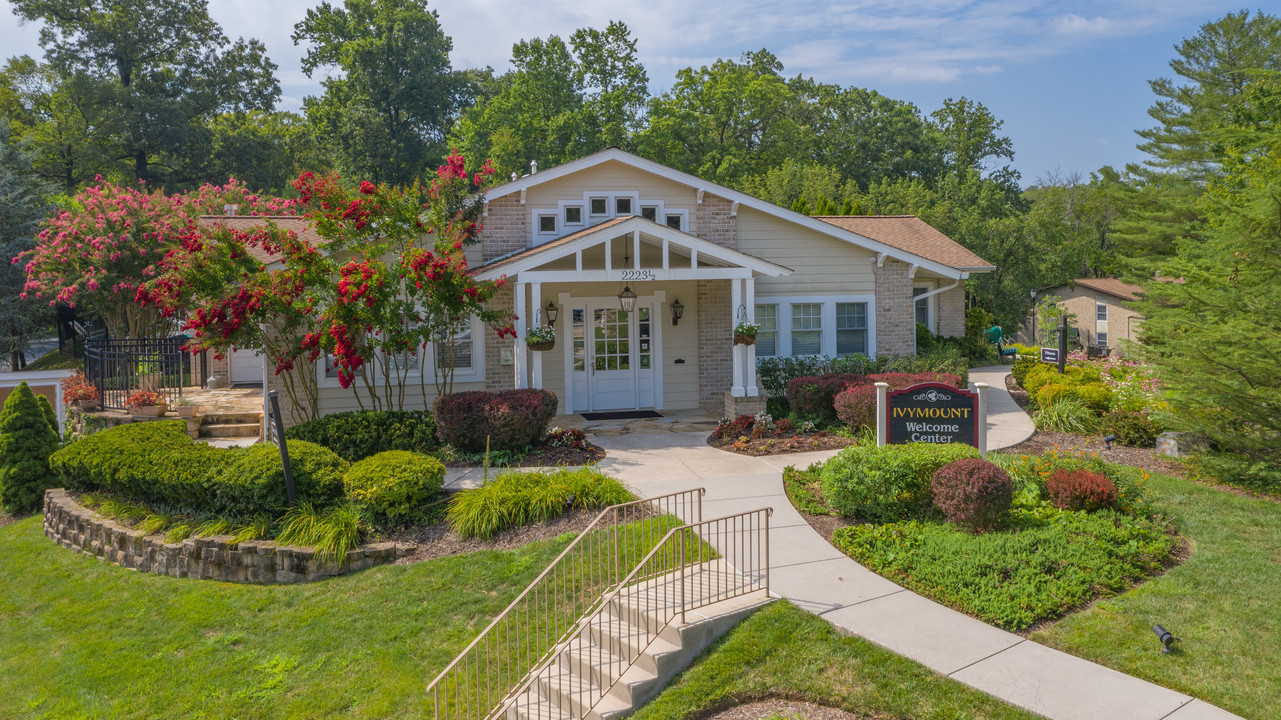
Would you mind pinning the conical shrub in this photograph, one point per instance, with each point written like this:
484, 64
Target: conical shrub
49, 413
26, 442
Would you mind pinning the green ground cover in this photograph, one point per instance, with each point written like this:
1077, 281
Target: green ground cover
784, 652
56, 360
1221, 602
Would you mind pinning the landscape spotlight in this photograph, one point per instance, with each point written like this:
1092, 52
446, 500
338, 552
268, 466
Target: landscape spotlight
1165, 636
1108, 440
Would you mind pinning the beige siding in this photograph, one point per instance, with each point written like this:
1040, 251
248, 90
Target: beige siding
821, 264
611, 177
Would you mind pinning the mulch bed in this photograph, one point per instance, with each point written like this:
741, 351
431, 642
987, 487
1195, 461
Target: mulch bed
1144, 458
436, 541
784, 445
797, 709
1022, 397
548, 457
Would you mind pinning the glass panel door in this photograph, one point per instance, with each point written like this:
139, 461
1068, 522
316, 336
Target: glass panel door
613, 377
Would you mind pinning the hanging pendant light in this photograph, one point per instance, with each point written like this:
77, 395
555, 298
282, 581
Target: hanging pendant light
627, 299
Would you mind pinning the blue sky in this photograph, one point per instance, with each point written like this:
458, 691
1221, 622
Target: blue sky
1069, 79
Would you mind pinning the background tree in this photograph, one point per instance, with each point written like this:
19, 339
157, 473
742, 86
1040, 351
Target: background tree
26, 442
386, 116
168, 66
22, 206
970, 140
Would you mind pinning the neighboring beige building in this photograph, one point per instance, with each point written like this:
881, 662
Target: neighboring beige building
578, 238
1101, 312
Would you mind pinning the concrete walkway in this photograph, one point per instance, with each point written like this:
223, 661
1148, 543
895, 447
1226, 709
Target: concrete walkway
807, 570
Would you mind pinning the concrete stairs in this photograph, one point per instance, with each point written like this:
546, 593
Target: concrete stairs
626, 652
224, 426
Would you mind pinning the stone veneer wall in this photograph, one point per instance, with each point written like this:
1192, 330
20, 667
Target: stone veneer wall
714, 221
497, 375
895, 313
715, 343
505, 228
951, 311
75, 526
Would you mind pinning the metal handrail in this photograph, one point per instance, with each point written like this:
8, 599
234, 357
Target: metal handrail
758, 561
646, 513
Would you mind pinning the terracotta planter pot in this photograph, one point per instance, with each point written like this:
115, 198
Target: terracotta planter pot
149, 411
186, 411
541, 345
744, 339
87, 405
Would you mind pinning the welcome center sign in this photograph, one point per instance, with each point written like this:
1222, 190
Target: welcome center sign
932, 413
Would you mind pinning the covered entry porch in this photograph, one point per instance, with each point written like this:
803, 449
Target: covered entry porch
643, 316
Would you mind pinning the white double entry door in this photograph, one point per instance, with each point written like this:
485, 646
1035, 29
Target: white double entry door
614, 356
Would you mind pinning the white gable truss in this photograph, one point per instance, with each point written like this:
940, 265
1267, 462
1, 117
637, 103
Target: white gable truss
882, 250
679, 256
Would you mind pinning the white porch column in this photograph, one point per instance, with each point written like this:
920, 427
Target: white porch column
536, 305
518, 347
737, 351
750, 301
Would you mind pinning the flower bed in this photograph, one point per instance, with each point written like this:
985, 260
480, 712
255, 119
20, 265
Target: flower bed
763, 435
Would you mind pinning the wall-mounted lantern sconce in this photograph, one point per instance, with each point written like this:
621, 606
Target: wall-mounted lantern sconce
552, 313
677, 311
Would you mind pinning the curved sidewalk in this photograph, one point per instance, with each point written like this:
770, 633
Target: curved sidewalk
1007, 424
806, 569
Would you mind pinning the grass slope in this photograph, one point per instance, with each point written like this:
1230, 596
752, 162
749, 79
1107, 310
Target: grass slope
782, 651
88, 639
56, 360
1222, 603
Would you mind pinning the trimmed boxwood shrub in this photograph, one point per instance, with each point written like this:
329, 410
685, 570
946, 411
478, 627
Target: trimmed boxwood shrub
812, 396
396, 483
1096, 395
1040, 375
973, 493
1022, 365
856, 406
1080, 490
360, 434
888, 483
1131, 428
26, 442
509, 419
253, 481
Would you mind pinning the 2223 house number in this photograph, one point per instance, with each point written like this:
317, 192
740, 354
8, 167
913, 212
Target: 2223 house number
639, 275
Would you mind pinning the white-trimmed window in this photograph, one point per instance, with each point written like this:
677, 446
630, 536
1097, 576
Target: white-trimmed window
469, 360
599, 206
574, 215
922, 307
767, 335
675, 221
1101, 312
650, 212
547, 224
1101, 339
851, 328
460, 352
807, 328
622, 206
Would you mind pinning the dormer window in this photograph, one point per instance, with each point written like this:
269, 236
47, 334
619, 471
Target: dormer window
622, 206
674, 222
600, 206
547, 224
649, 213
573, 215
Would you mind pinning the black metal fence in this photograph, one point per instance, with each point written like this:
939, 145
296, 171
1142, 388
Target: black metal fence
119, 368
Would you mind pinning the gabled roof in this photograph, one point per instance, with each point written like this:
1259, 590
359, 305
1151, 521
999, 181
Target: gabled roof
560, 247
1112, 286
244, 223
640, 163
911, 234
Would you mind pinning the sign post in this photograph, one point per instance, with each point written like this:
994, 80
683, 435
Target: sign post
1063, 332
882, 419
284, 448
932, 413
981, 422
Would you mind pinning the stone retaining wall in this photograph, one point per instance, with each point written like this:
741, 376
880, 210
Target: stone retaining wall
217, 558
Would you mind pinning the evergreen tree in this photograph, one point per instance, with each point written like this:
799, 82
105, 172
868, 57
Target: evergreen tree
49, 413
22, 205
26, 442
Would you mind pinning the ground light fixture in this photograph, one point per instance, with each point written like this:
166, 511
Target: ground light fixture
627, 299
1166, 637
552, 313
1108, 440
677, 311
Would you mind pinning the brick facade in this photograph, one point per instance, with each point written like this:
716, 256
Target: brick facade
497, 375
715, 343
505, 228
895, 311
1122, 323
714, 221
951, 311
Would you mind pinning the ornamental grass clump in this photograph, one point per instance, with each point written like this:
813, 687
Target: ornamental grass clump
973, 493
521, 498
26, 442
1080, 490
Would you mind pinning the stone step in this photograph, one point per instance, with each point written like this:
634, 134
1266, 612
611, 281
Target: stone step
231, 430
225, 418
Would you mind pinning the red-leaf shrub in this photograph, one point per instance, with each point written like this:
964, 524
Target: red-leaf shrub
1080, 490
813, 395
856, 406
973, 493
509, 419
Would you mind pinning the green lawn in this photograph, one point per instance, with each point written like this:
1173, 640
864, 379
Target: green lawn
1222, 602
784, 652
56, 360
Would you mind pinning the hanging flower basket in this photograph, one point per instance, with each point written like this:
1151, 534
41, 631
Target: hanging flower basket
540, 338
744, 339
540, 345
745, 333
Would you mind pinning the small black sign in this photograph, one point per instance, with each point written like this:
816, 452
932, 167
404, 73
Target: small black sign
932, 413
1050, 355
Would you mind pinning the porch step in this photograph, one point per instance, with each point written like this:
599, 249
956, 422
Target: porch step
231, 430
628, 650
217, 418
